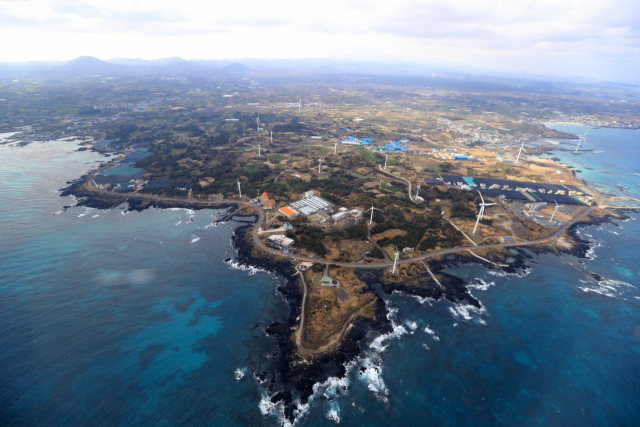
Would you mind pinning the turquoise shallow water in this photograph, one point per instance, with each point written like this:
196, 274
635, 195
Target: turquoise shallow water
613, 161
136, 320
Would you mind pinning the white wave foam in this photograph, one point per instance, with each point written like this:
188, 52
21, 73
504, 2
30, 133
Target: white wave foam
80, 216
333, 416
234, 265
432, 333
464, 311
57, 213
331, 388
266, 406
411, 325
239, 374
95, 216
195, 239
481, 285
591, 253
380, 343
179, 222
600, 291
371, 374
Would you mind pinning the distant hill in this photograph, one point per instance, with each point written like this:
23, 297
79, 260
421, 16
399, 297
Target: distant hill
236, 68
88, 63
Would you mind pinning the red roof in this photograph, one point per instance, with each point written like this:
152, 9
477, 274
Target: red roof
265, 195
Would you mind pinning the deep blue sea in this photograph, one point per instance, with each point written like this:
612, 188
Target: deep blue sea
134, 319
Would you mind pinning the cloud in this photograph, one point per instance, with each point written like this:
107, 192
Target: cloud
529, 34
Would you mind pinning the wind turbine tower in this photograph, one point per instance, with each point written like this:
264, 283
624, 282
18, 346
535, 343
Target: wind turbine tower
335, 149
299, 105
319, 166
554, 210
239, 191
372, 209
582, 137
258, 122
271, 136
258, 149
385, 162
482, 206
417, 191
520, 151
395, 262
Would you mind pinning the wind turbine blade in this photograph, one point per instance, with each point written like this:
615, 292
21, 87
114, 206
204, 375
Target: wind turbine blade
481, 196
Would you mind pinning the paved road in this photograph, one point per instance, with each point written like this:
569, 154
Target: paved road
262, 246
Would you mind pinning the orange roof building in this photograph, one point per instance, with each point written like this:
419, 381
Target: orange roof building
288, 212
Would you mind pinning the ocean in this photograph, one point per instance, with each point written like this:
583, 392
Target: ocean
134, 318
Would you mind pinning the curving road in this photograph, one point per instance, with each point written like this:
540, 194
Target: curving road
261, 245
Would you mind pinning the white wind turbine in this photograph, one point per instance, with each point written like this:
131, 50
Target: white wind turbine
582, 137
335, 149
239, 191
271, 136
482, 206
372, 209
319, 166
259, 149
555, 210
299, 105
258, 122
520, 151
395, 262
417, 191
385, 161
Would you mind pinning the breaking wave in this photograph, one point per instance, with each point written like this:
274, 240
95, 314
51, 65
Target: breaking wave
234, 265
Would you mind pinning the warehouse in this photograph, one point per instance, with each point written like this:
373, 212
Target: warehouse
310, 205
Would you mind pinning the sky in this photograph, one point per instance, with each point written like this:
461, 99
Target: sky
596, 39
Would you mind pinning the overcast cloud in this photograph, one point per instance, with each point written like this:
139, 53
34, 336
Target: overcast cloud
596, 39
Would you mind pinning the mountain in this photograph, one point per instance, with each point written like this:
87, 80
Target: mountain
88, 63
236, 67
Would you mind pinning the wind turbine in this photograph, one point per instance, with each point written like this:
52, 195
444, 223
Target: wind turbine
395, 262
520, 151
239, 191
372, 209
482, 206
385, 161
417, 191
319, 166
582, 137
258, 122
258, 149
555, 210
299, 105
271, 136
335, 149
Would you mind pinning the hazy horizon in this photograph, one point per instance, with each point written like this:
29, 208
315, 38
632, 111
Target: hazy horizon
560, 38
